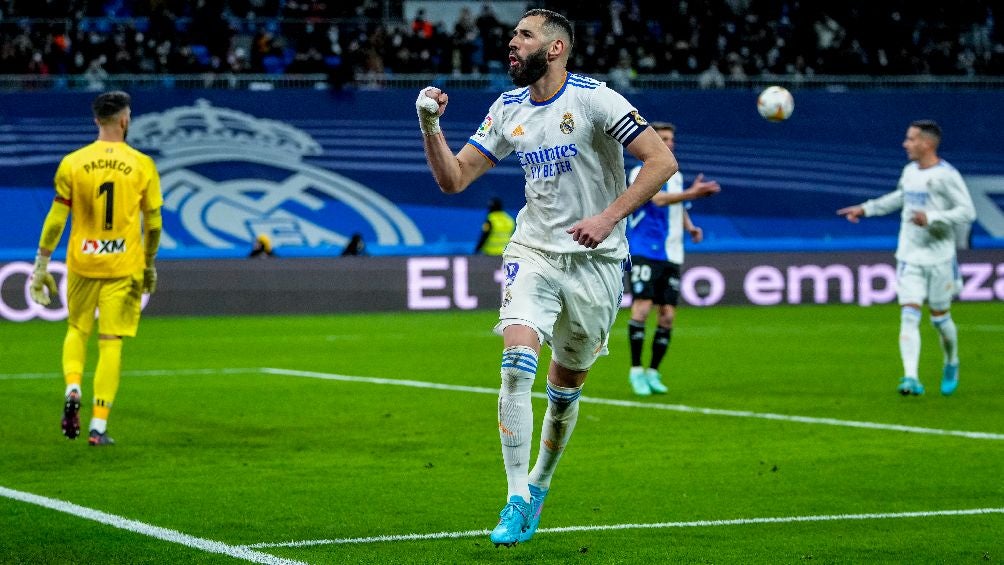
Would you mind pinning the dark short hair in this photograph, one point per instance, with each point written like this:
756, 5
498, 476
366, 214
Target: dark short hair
930, 127
107, 105
662, 125
554, 20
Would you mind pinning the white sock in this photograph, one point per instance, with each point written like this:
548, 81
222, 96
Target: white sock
949, 337
909, 340
519, 367
559, 421
99, 425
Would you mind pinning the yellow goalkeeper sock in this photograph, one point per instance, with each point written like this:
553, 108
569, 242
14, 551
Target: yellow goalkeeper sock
74, 354
107, 375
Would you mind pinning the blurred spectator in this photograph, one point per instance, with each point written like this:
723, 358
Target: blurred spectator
466, 43
355, 247
262, 247
371, 38
712, 77
620, 77
96, 74
421, 27
496, 230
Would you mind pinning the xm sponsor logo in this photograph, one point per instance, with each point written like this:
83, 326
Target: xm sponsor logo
228, 177
103, 246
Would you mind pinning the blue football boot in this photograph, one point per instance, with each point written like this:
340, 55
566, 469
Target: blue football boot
536, 505
910, 386
950, 379
513, 521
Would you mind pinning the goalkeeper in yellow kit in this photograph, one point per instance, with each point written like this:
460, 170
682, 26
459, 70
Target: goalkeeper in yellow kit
113, 192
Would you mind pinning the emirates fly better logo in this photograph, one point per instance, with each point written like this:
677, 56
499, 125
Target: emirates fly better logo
228, 177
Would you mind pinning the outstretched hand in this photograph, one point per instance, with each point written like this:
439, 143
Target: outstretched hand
852, 213
701, 188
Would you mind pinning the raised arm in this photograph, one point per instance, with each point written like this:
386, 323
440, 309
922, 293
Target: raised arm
453, 173
875, 207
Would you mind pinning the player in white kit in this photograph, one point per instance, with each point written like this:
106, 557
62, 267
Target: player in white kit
564, 264
934, 199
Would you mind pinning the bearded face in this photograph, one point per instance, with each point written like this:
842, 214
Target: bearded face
525, 72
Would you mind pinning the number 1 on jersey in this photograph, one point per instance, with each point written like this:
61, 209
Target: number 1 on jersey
109, 189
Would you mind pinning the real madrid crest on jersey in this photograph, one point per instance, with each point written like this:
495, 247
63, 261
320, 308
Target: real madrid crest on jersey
638, 119
567, 123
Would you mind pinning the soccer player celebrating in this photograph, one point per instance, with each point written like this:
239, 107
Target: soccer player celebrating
933, 198
564, 264
107, 186
655, 232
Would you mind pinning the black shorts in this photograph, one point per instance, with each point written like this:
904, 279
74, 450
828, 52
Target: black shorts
658, 281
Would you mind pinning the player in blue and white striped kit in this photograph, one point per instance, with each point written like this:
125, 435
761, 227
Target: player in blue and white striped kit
655, 232
564, 264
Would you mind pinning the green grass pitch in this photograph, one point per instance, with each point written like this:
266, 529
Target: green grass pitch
215, 446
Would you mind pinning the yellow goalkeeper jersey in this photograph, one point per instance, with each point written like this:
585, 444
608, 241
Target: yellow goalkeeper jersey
107, 186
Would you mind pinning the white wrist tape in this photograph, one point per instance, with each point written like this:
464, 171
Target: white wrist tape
428, 113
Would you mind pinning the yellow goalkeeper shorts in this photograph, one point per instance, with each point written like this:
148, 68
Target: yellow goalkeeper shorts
117, 302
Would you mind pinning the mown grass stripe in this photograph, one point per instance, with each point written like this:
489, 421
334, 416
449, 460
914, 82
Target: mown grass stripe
652, 526
586, 399
652, 405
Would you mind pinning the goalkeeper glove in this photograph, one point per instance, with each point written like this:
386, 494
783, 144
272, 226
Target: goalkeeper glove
150, 280
42, 280
428, 113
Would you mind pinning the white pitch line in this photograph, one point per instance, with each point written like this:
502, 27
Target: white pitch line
374, 539
140, 373
652, 526
380, 381
145, 529
649, 405
800, 419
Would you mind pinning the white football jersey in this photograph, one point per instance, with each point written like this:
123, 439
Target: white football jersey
571, 148
938, 191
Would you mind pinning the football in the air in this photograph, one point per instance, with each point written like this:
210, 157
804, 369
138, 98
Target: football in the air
775, 103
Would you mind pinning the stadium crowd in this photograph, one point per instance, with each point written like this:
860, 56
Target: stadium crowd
620, 38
